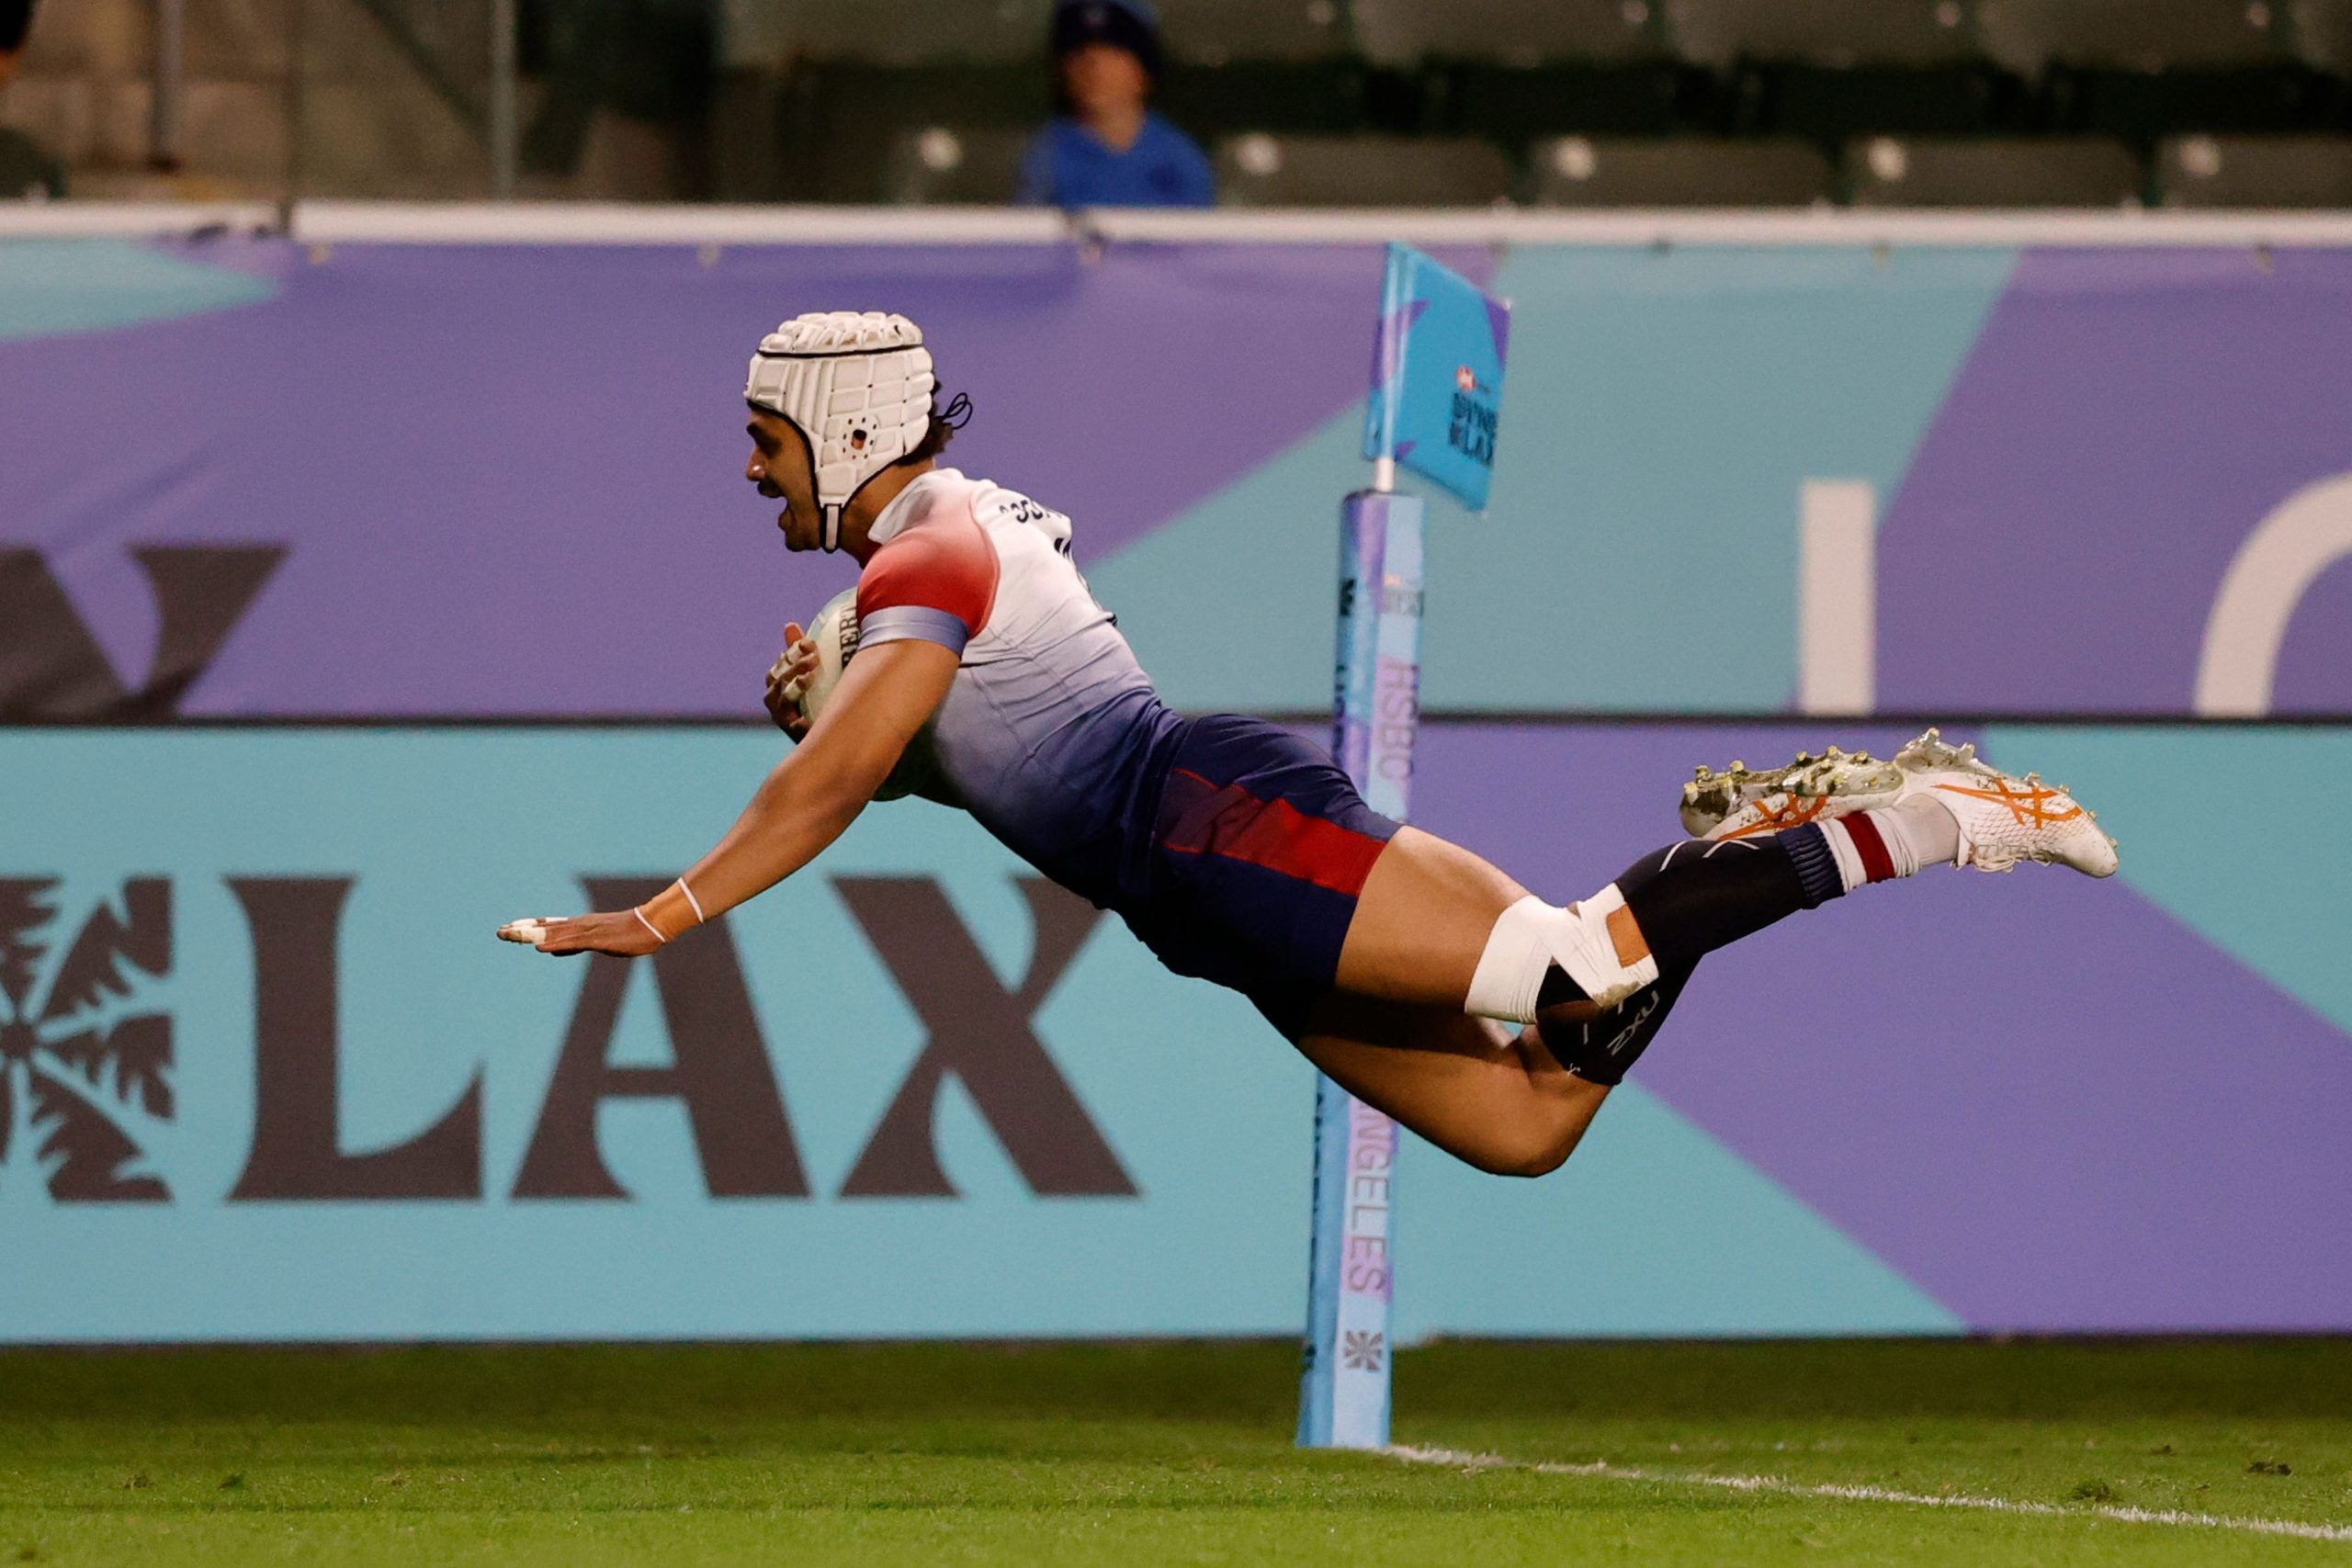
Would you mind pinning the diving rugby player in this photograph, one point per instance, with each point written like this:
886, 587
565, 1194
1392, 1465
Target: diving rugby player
1420, 977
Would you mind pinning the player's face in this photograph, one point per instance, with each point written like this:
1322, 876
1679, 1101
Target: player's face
781, 468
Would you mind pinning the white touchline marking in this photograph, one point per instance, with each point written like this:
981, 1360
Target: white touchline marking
1457, 1458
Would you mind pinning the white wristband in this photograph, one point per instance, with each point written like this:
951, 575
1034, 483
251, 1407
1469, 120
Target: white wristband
649, 925
691, 899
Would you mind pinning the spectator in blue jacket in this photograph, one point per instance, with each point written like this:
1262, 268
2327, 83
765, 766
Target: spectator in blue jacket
1106, 148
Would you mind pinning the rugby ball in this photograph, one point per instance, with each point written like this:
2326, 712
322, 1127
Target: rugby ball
835, 631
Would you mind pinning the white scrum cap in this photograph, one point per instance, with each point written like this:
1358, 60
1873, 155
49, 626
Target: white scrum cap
858, 385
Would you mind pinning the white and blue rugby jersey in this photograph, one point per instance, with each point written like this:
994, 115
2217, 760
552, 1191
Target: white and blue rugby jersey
1051, 735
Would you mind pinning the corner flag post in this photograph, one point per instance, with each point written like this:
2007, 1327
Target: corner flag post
1437, 388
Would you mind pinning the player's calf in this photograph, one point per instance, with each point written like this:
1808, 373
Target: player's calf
1598, 976
1577, 972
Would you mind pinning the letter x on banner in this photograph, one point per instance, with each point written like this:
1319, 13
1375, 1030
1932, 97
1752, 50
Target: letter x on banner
1437, 379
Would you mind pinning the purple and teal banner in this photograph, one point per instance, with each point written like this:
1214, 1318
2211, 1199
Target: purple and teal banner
265, 1073
256, 477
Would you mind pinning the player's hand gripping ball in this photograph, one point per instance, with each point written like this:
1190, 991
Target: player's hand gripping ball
805, 673
802, 681
788, 679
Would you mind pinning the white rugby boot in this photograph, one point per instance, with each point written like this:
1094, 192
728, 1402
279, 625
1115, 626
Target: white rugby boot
2004, 818
1738, 803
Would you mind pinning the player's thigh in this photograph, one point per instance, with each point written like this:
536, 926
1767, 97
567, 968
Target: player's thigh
1421, 920
1487, 1096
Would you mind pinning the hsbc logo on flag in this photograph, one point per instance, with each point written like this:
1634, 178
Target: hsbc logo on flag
1466, 380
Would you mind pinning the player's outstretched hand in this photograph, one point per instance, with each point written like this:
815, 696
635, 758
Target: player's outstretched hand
623, 935
788, 677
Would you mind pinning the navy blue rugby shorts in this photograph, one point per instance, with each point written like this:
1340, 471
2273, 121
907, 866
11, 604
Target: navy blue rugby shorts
1258, 849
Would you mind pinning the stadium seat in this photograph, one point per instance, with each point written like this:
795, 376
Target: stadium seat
942, 165
863, 71
1836, 33
771, 33
1514, 70
1523, 33
1515, 107
1576, 171
2143, 69
1885, 171
1360, 170
1243, 65
2140, 35
1218, 32
747, 138
1832, 69
2322, 34
1303, 97
2256, 171
837, 123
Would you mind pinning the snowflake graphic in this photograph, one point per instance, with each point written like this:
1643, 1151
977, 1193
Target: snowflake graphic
85, 1059
1361, 1351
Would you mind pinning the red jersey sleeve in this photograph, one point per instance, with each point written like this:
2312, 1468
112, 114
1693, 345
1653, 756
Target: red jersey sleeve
935, 581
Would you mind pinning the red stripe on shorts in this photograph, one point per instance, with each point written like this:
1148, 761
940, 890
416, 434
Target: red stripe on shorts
1230, 822
1877, 864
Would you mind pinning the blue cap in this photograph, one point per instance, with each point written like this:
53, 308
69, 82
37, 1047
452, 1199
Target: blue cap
1131, 25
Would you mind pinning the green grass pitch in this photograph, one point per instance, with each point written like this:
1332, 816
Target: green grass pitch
1176, 1453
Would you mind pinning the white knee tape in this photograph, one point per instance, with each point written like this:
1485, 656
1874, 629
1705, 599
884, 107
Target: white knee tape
1531, 936
1511, 971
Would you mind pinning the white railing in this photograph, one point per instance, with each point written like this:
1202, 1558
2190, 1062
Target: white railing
340, 222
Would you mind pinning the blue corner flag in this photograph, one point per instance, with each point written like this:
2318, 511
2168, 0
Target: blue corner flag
1437, 376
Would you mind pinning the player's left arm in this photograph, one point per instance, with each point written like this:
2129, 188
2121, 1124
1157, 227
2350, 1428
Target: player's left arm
887, 693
